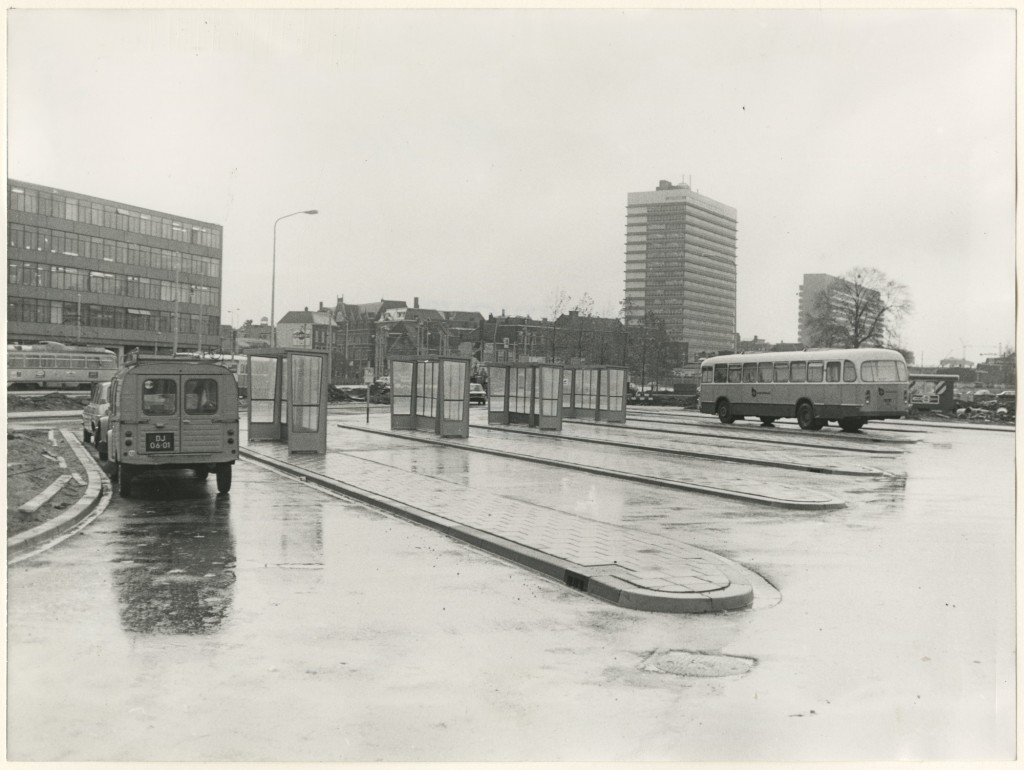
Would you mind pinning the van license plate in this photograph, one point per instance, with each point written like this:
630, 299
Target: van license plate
159, 442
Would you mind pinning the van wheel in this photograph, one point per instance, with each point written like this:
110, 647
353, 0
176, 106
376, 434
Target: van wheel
725, 412
101, 449
86, 436
851, 424
805, 416
124, 480
224, 478
768, 421
202, 473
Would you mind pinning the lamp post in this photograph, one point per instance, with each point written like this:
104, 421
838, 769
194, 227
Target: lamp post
273, 276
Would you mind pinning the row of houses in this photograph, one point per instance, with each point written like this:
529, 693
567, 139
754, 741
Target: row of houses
363, 337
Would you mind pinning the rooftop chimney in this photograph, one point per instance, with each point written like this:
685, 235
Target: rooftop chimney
416, 303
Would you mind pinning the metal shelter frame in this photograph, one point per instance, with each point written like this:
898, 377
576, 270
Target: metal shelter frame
430, 393
288, 397
595, 393
525, 394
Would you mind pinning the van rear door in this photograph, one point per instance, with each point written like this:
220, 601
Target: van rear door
205, 408
160, 418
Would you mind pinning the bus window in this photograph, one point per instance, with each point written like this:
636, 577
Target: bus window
764, 372
815, 369
799, 372
832, 371
735, 373
159, 396
782, 372
706, 374
750, 372
901, 370
721, 373
849, 371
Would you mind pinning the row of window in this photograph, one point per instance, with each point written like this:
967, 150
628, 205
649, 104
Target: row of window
806, 371
46, 311
53, 204
78, 279
74, 245
59, 361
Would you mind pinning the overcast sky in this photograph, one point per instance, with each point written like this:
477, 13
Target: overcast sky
480, 160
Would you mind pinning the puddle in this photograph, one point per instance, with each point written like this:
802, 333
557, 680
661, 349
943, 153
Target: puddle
696, 664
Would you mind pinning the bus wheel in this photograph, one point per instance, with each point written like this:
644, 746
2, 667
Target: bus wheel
224, 478
805, 416
124, 480
768, 421
851, 424
202, 473
725, 412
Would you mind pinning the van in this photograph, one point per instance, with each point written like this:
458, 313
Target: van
172, 412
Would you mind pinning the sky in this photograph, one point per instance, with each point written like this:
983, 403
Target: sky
481, 159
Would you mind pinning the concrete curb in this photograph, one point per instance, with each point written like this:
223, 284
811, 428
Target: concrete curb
831, 503
593, 581
863, 471
93, 502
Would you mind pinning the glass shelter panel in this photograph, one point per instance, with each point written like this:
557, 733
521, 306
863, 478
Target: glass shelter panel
305, 391
455, 377
616, 389
519, 399
262, 388
550, 379
426, 389
496, 377
401, 387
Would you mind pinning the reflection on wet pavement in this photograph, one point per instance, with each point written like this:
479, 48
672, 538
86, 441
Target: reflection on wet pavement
175, 565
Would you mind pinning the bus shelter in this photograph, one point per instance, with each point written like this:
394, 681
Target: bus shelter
525, 394
288, 397
430, 393
595, 393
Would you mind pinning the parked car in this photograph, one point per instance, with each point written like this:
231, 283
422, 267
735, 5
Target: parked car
94, 412
380, 393
477, 394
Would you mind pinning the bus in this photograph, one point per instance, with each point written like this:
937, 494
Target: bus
58, 366
815, 386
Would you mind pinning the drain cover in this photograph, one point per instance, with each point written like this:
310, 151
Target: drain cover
683, 663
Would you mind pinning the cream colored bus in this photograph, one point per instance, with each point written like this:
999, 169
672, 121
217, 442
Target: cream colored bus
816, 387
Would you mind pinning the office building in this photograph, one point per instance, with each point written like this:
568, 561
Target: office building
681, 267
86, 270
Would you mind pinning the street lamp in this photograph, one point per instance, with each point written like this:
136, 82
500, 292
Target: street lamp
273, 275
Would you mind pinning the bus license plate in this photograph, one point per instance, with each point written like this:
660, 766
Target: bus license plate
159, 442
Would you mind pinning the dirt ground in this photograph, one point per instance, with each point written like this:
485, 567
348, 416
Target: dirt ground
50, 402
32, 464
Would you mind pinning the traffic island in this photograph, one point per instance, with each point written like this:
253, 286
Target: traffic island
634, 570
63, 484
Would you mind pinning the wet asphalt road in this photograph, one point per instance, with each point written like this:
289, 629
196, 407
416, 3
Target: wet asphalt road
281, 623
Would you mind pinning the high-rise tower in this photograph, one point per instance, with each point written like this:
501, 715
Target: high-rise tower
681, 266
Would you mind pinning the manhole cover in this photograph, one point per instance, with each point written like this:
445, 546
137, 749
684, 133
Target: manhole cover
683, 663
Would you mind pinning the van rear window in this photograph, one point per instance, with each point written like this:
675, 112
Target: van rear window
200, 396
159, 396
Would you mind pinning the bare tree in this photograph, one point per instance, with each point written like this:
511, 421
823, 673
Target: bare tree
861, 308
